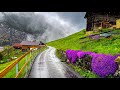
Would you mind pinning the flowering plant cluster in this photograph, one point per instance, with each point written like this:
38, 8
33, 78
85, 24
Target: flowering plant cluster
94, 36
72, 55
101, 64
104, 65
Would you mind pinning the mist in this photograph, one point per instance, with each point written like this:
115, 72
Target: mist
44, 26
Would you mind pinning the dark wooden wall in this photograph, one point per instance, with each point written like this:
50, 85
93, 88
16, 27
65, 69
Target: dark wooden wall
94, 17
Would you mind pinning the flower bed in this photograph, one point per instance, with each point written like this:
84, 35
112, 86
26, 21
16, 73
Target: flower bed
101, 64
104, 65
94, 36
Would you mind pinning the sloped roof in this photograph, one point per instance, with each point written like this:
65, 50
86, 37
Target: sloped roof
29, 43
17, 45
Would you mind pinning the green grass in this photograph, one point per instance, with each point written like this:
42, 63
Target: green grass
12, 73
10, 52
104, 45
70, 42
2, 66
84, 73
60, 54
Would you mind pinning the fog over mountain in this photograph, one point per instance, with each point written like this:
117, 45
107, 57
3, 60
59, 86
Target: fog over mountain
45, 26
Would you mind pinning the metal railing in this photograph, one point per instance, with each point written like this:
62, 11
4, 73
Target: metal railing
26, 59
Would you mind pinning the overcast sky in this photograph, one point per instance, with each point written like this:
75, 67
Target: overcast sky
75, 17
50, 25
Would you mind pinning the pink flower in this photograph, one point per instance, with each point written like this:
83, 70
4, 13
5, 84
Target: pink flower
68, 61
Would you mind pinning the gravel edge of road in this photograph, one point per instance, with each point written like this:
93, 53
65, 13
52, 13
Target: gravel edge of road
28, 74
72, 70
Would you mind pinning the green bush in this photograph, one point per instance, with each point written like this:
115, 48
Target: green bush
85, 62
61, 55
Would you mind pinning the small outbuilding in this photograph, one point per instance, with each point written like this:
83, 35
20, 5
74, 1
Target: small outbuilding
101, 20
29, 45
17, 46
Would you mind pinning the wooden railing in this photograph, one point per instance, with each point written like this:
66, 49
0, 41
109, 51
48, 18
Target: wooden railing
30, 56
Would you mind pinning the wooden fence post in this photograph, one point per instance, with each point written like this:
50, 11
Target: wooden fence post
26, 61
17, 68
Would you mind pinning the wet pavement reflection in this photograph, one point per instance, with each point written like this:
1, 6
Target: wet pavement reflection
47, 65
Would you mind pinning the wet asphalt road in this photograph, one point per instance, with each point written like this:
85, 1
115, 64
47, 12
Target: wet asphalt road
47, 65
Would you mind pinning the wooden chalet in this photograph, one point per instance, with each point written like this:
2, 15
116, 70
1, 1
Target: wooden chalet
17, 46
100, 20
29, 45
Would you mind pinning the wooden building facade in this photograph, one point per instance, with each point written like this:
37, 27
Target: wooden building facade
100, 20
29, 45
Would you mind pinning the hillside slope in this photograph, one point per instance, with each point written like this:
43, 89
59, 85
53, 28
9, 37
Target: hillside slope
103, 45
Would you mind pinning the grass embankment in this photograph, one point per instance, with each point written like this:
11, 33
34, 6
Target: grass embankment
84, 73
9, 53
103, 45
12, 72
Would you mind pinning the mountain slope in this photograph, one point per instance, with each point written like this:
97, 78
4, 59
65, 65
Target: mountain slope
104, 45
70, 42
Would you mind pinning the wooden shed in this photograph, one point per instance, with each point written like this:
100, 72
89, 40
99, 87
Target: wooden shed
17, 46
29, 45
100, 20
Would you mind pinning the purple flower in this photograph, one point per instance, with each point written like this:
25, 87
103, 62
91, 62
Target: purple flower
92, 54
72, 55
82, 54
96, 37
104, 65
68, 54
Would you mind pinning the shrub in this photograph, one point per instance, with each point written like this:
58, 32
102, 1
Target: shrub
72, 55
61, 55
68, 54
81, 54
101, 64
87, 59
85, 62
1, 56
104, 65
